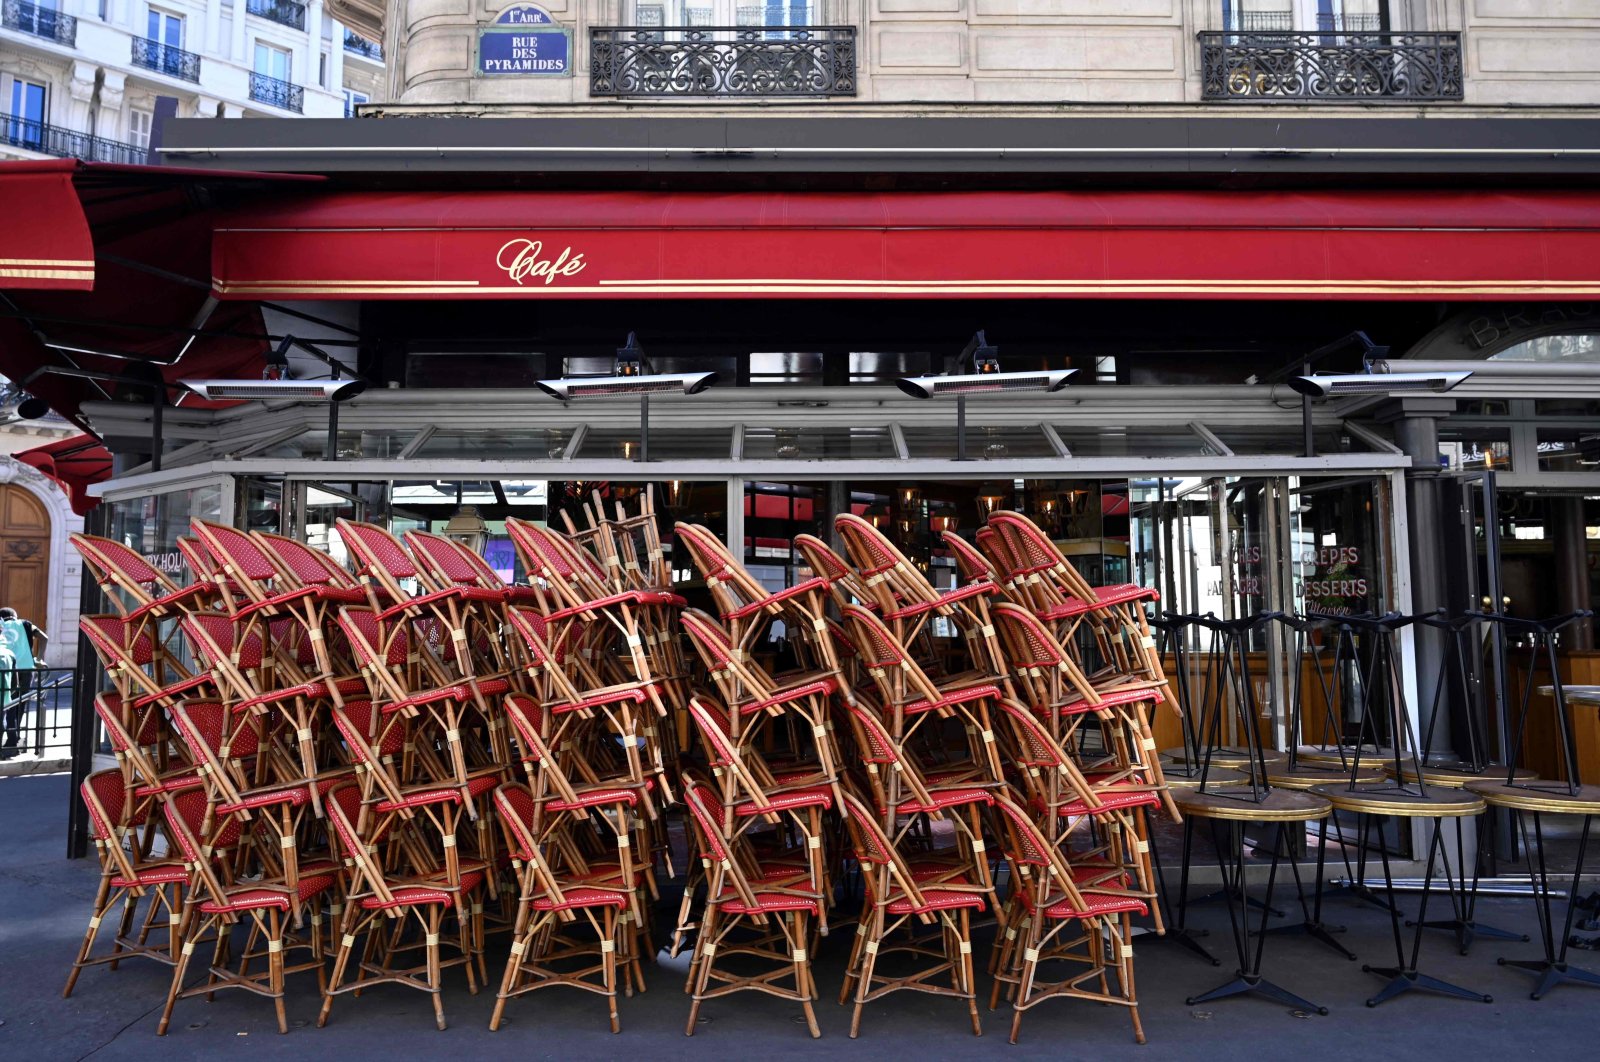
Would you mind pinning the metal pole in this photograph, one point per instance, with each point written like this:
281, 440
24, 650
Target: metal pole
160, 399
330, 452
644, 428
84, 729
1305, 417
961, 427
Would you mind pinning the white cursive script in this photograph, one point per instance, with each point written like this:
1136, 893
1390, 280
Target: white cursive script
520, 259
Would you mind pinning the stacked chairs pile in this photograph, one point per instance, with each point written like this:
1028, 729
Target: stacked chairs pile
368, 775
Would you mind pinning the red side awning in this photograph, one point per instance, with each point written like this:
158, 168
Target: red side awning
1337, 245
47, 243
75, 464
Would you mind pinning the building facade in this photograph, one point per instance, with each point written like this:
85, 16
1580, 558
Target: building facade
1015, 53
90, 79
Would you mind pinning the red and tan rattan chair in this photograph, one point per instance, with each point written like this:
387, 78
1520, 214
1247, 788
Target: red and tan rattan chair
1052, 918
897, 906
844, 584
300, 566
776, 903
216, 903
382, 904
127, 877
136, 588
548, 901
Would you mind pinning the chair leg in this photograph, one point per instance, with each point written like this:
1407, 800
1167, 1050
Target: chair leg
966, 982
275, 929
608, 958
1125, 975
869, 960
87, 946
434, 920
347, 939
1030, 962
180, 967
802, 972
705, 950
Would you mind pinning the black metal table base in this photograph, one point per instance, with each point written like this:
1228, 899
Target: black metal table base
1248, 980
1405, 977
1553, 969
1466, 932
1312, 924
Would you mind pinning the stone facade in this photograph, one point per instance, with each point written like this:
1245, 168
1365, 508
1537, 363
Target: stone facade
1011, 53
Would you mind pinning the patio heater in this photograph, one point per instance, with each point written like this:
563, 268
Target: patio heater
141, 376
976, 371
275, 383
632, 375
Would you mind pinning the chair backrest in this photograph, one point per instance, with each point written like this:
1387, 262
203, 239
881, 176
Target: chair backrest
1033, 855
737, 679
105, 794
529, 720
444, 562
546, 559
879, 749
238, 556
116, 567
1039, 659
970, 561
546, 663
378, 649
200, 841
118, 641
518, 813
843, 582
731, 586
299, 564
726, 855
898, 676
343, 806
207, 729
214, 638
874, 848
379, 557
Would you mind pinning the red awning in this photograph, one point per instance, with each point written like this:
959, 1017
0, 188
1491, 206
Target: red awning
1338, 245
75, 464
47, 242
115, 259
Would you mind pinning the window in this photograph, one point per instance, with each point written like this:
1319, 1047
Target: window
272, 62
164, 28
139, 123
1338, 16
225, 36
353, 99
25, 127
322, 70
723, 12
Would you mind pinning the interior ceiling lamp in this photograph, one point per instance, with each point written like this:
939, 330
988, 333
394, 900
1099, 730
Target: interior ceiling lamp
467, 527
976, 371
632, 375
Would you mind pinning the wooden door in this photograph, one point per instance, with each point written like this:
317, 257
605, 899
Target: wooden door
24, 554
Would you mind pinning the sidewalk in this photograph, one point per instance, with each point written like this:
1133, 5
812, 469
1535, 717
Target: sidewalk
112, 1015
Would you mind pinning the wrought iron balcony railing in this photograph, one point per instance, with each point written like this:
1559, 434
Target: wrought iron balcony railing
1335, 67
64, 143
356, 44
285, 12
43, 22
166, 59
277, 93
737, 61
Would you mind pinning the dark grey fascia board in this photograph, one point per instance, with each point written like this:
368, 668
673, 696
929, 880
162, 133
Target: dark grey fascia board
875, 143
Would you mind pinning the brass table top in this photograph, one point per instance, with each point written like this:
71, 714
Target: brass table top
1333, 753
1587, 695
1223, 756
1176, 777
1456, 777
1383, 798
1276, 805
1311, 775
1586, 801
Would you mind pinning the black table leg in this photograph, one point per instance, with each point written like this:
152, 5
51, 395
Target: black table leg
1465, 925
1179, 931
1235, 890
1312, 924
1404, 975
1553, 968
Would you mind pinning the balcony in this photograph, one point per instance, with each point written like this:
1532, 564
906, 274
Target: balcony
166, 59
66, 144
1330, 66
284, 12
766, 62
42, 22
276, 93
356, 44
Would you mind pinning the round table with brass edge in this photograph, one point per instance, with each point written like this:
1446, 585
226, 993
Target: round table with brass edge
1343, 755
1309, 776
1377, 800
1522, 801
1221, 756
1276, 808
1465, 925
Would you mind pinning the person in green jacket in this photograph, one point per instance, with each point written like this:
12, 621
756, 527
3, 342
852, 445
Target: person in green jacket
17, 662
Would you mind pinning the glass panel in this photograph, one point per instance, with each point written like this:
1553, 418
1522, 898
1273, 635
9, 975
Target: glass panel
818, 444
1468, 449
1289, 441
1569, 449
623, 443
153, 524
986, 443
1337, 543
1552, 348
491, 444
312, 445
1142, 441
